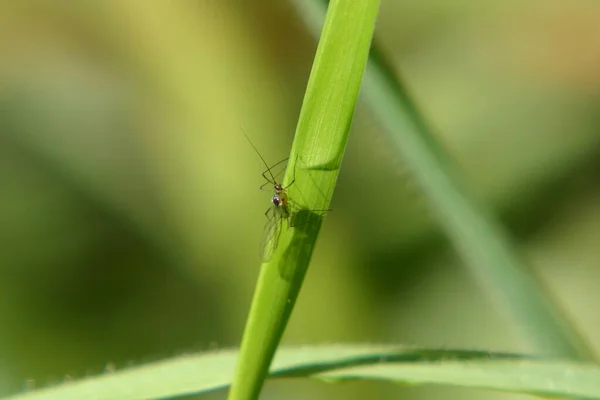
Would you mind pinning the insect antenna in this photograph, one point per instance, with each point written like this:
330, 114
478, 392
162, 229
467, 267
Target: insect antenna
261, 157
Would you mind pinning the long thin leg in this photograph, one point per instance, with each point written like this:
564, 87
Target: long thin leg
268, 170
269, 177
297, 208
264, 175
291, 224
291, 183
294, 177
277, 163
270, 209
261, 187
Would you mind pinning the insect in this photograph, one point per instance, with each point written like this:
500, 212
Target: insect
280, 208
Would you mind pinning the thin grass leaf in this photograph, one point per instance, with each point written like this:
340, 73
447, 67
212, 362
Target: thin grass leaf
203, 373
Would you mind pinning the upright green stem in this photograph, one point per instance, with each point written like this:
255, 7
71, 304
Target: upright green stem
315, 160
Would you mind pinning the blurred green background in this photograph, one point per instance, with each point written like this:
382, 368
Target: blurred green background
130, 219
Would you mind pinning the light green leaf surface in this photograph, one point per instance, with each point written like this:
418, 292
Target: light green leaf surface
207, 372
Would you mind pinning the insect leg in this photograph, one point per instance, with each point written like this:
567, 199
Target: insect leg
261, 187
268, 170
294, 177
291, 220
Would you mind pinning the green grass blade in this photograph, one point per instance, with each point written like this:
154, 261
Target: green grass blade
315, 160
474, 231
203, 373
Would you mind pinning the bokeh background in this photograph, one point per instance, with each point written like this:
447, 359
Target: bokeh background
130, 220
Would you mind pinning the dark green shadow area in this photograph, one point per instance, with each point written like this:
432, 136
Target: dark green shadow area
305, 226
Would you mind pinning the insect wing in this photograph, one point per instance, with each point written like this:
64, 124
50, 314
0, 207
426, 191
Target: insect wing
271, 234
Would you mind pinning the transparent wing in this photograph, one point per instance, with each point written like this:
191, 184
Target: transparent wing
271, 233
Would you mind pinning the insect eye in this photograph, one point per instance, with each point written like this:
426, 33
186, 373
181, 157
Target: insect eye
276, 200
278, 187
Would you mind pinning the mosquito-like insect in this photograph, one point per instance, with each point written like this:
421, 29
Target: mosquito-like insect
280, 209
